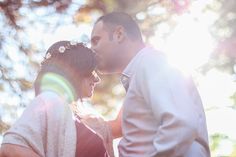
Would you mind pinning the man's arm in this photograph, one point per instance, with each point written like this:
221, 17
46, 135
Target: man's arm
115, 125
11, 150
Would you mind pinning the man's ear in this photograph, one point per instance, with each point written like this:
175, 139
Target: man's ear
119, 33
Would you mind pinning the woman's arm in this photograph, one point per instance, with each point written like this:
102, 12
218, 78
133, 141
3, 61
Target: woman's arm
115, 125
11, 150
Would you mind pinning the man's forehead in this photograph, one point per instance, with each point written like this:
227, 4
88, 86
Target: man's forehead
98, 28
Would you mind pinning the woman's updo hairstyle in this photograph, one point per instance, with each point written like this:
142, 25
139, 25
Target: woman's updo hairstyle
72, 60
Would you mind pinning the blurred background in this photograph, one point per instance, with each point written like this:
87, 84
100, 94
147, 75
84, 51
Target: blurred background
198, 36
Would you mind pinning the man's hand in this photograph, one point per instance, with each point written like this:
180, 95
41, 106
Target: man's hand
115, 125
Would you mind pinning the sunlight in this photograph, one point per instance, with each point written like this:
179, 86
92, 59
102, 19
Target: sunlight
211, 86
220, 121
190, 45
68, 32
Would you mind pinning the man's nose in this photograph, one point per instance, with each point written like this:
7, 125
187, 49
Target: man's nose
93, 47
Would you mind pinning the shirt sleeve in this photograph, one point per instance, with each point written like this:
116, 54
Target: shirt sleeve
28, 130
165, 91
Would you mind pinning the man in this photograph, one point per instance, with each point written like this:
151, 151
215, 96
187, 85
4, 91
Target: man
162, 112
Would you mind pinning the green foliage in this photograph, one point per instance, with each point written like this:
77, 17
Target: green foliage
216, 140
233, 97
233, 154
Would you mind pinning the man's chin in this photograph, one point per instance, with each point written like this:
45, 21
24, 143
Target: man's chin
102, 69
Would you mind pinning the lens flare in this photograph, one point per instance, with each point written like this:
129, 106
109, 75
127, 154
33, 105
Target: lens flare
59, 84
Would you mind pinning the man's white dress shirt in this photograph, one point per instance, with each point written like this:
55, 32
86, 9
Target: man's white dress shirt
163, 115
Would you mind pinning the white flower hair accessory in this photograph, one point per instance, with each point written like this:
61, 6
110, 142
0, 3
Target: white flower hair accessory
73, 43
68, 46
62, 49
48, 55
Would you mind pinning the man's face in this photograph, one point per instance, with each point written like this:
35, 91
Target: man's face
105, 47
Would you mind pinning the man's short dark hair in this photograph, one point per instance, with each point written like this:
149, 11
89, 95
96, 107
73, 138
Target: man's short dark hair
125, 20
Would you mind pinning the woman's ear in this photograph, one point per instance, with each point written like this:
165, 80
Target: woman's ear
119, 34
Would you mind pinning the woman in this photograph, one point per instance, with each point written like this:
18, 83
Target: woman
47, 127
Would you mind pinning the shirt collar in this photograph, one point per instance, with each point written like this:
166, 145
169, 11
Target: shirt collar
130, 68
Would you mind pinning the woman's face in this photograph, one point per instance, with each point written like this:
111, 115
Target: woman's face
88, 84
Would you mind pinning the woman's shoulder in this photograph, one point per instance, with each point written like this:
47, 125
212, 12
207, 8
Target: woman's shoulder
49, 98
46, 102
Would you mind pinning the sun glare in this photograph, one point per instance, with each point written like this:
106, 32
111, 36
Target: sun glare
190, 45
